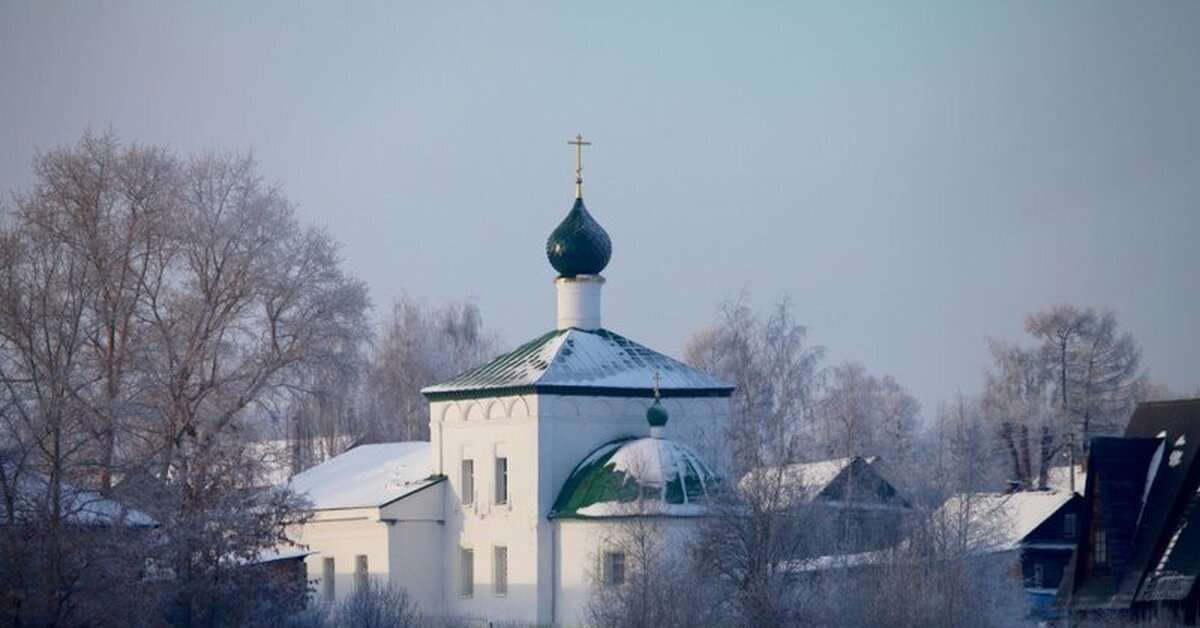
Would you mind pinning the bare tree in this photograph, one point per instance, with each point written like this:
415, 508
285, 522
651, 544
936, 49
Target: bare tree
419, 346
1094, 369
777, 377
662, 585
860, 414
1081, 379
150, 312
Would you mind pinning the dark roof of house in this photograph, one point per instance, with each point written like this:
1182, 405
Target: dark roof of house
1147, 485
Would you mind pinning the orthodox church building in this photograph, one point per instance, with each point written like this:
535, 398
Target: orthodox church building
535, 460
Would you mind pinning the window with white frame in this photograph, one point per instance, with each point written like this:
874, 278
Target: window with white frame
466, 572
360, 571
327, 574
1039, 575
613, 568
467, 486
499, 570
501, 480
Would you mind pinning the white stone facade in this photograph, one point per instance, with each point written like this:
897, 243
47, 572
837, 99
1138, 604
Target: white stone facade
543, 438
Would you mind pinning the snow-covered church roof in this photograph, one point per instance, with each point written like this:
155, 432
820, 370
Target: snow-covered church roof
367, 476
637, 477
580, 362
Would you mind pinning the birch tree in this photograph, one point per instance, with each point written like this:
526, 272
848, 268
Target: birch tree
777, 375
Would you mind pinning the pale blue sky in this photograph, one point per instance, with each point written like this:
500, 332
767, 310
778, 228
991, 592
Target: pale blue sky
915, 176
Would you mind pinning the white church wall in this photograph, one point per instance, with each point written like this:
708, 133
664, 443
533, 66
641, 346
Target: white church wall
415, 561
543, 438
580, 544
484, 431
416, 535
344, 535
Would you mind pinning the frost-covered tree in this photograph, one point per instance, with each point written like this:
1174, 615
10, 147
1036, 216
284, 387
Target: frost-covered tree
150, 309
860, 414
662, 585
1080, 379
419, 346
777, 376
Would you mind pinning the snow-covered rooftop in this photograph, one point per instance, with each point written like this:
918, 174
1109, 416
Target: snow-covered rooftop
1000, 522
802, 481
1059, 478
79, 506
367, 476
577, 361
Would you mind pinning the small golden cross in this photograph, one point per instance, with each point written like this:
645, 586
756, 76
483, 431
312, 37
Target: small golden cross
578, 143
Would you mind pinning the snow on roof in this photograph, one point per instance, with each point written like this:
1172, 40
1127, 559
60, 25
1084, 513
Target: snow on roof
643, 476
998, 522
564, 361
804, 480
367, 476
79, 506
1059, 479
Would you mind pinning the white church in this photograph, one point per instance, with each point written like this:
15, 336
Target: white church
508, 514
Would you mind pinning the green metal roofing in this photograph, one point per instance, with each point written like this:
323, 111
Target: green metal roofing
580, 362
578, 245
637, 477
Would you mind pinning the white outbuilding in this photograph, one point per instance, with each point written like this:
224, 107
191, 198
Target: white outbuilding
534, 457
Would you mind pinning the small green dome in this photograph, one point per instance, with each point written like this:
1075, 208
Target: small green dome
656, 416
578, 245
638, 477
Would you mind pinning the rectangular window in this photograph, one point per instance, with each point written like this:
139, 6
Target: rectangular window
327, 575
360, 571
500, 570
468, 482
466, 572
1100, 548
614, 569
1069, 525
501, 480
1099, 535
1039, 576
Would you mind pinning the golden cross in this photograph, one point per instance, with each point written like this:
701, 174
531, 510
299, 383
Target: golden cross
578, 143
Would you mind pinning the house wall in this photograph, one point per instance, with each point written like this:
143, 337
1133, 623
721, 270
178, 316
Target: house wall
543, 437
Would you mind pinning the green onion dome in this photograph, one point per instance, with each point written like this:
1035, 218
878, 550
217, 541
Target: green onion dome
656, 416
578, 245
638, 477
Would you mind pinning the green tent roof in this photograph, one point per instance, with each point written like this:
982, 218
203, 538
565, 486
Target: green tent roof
581, 362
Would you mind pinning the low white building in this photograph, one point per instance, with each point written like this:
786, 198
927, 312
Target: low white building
535, 457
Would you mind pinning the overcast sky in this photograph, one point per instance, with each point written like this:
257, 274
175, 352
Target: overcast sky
915, 177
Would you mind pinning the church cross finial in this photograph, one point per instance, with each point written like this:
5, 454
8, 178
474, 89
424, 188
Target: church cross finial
578, 143
657, 381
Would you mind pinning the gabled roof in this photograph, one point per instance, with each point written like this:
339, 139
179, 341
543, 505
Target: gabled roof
79, 506
1147, 486
828, 480
367, 476
999, 522
580, 362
